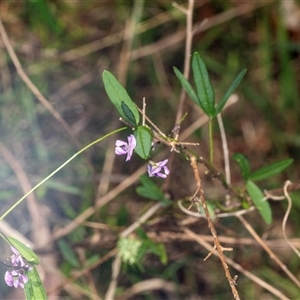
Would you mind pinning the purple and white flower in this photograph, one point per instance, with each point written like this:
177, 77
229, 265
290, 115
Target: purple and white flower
126, 148
158, 169
16, 258
15, 278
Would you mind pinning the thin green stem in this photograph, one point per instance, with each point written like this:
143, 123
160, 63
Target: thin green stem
59, 168
211, 141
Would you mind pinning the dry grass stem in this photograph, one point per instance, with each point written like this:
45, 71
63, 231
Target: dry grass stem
268, 250
148, 285
187, 55
238, 267
288, 210
225, 149
34, 89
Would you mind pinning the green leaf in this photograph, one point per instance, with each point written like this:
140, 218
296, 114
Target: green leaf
128, 113
34, 289
187, 86
205, 91
24, 251
243, 163
150, 190
143, 136
229, 91
270, 170
257, 197
162, 253
68, 253
120, 99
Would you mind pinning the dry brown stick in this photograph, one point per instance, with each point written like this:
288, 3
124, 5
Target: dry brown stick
168, 237
99, 203
33, 88
116, 266
269, 251
148, 285
238, 267
129, 36
117, 37
212, 229
114, 251
97, 263
188, 49
174, 39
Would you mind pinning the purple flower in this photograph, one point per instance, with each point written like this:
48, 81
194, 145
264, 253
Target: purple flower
123, 147
15, 278
158, 169
16, 258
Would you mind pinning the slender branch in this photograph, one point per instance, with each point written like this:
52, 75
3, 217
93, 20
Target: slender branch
212, 229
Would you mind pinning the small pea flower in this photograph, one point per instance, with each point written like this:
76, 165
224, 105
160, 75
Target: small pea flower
126, 148
16, 258
158, 169
15, 278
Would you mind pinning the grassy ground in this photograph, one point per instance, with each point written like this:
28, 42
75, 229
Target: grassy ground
64, 47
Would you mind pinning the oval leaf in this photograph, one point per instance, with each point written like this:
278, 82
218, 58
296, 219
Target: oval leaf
24, 251
230, 90
120, 99
187, 86
270, 170
143, 137
243, 163
205, 91
257, 197
34, 289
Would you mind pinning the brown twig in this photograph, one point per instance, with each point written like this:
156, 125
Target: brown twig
170, 236
212, 228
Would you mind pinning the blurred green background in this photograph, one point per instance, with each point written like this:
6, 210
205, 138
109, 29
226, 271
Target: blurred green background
64, 46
